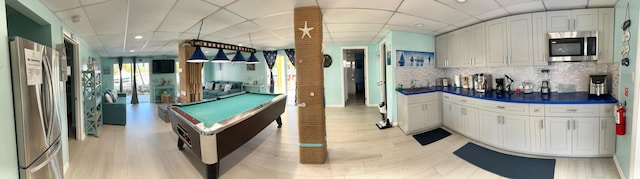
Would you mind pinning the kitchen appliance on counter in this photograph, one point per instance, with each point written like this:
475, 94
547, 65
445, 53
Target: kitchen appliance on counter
544, 87
483, 82
442, 82
573, 46
499, 84
456, 81
446, 82
465, 82
598, 85
37, 88
527, 87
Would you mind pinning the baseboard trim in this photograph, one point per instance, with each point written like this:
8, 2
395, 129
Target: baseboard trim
615, 161
372, 105
65, 168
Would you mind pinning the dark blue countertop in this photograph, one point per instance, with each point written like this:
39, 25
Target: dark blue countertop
536, 97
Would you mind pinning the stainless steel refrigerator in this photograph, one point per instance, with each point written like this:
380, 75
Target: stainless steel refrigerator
35, 75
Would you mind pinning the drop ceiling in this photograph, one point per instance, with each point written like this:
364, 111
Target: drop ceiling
110, 26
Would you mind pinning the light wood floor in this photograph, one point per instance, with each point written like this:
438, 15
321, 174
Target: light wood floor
146, 148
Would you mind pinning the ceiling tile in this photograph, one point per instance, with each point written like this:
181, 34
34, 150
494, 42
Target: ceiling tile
355, 16
58, 5
221, 2
601, 3
436, 11
534, 6
353, 40
89, 2
189, 36
252, 9
164, 36
92, 40
389, 5
500, 12
512, 2
353, 34
83, 27
446, 29
276, 21
467, 22
146, 18
353, 27
112, 40
108, 17
406, 29
235, 30
263, 35
219, 20
565, 4
131, 41
410, 21
185, 14
283, 32
473, 7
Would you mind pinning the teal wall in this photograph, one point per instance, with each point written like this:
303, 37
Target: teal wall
402, 41
20, 25
238, 71
333, 88
8, 153
623, 143
39, 14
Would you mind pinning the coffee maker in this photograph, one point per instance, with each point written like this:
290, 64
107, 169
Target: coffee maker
598, 85
483, 82
500, 84
544, 87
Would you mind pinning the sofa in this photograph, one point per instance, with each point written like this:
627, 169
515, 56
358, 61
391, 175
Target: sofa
213, 89
114, 111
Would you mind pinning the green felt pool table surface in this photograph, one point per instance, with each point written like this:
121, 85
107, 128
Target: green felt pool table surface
210, 112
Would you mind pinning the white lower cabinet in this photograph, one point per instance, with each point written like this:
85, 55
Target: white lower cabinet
536, 124
607, 135
505, 130
572, 135
419, 112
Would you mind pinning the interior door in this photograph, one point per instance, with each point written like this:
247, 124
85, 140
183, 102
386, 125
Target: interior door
383, 72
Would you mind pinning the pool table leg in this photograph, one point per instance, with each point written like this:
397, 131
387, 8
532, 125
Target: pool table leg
279, 121
180, 144
212, 171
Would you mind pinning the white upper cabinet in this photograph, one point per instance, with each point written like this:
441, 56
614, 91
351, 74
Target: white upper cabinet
496, 42
605, 35
573, 20
539, 37
509, 41
519, 40
477, 45
442, 54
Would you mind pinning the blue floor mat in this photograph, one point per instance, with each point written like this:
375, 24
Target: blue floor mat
431, 136
506, 165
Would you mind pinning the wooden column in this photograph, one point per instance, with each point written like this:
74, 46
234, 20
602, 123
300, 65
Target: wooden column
310, 85
190, 76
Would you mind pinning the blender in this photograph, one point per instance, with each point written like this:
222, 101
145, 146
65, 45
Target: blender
544, 87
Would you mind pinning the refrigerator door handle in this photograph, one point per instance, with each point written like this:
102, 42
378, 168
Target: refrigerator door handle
50, 157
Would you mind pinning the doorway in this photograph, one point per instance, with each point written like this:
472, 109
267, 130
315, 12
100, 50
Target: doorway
353, 65
385, 58
74, 120
142, 80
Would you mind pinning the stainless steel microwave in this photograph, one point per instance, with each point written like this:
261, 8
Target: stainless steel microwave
573, 46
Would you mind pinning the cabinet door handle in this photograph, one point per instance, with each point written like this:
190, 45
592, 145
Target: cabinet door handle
500, 107
446, 97
574, 124
571, 110
464, 101
568, 124
499, 121
509, 60
504, 59
574, 23
569, 24
541, 124
603, 125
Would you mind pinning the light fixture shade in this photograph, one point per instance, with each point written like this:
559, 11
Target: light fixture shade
238, 58
220, 57
252, 59
197, 56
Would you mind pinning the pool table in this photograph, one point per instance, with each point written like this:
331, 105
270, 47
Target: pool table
214, 128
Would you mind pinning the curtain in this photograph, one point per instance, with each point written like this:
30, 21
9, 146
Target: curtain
120, 71
134, 93
291, 53
270, 57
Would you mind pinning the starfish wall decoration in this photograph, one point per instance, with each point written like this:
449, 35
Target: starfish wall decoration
305, 30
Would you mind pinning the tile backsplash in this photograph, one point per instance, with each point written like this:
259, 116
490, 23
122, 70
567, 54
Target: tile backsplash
561, 74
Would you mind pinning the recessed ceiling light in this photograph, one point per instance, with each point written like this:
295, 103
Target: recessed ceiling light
132, 50
138, 37
461, 1
240, 45
419, 24
206, 51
